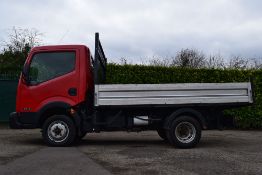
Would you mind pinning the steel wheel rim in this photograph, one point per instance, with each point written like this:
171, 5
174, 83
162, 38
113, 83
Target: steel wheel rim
185, 132
58, 131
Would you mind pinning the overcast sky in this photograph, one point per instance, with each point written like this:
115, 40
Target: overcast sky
142, 28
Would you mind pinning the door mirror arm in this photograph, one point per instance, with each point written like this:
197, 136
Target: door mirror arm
25, 74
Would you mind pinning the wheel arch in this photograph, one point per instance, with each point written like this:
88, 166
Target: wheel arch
59, 108
186, 111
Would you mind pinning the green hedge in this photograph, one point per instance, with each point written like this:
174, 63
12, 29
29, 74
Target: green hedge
247, 117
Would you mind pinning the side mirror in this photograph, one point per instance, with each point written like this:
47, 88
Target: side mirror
25, 73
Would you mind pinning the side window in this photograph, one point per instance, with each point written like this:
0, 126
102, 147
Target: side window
49, 65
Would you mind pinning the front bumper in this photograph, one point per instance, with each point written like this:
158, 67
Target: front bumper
17, 121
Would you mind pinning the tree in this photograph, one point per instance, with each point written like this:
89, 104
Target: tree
215, 62
123, 61
255, 63
158, 61
16, 48
238, 62
189, 58
21, 40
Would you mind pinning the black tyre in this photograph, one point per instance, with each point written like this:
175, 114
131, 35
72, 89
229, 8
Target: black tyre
162, 133
184, 132
59, 130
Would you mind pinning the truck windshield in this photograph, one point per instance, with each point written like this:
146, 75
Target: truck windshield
49, 65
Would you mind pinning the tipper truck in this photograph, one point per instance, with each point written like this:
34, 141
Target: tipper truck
62, 90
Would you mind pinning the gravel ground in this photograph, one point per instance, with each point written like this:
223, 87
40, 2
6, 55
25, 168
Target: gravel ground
219, 152
17, 143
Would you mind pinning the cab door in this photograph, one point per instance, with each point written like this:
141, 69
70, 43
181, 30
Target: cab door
53, 77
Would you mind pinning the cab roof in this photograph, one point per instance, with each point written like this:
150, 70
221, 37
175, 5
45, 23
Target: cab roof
59, 47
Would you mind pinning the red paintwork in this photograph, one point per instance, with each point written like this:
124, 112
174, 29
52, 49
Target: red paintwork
33, 98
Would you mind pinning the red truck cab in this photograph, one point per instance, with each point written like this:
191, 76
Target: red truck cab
57, 77
56, 91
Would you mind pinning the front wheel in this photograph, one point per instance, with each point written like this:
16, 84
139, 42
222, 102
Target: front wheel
59, 130
184, 132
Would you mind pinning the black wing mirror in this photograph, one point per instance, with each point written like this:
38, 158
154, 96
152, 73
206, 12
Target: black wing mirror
25, 73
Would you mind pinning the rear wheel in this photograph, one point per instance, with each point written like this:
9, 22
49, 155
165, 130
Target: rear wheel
59, 130
184, 132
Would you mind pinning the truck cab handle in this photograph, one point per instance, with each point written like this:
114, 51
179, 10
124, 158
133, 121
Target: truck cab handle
72, 92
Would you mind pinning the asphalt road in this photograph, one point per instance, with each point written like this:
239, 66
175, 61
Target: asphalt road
53, 161
219, 152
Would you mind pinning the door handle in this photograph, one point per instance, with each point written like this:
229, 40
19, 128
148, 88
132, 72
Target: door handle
72, 92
